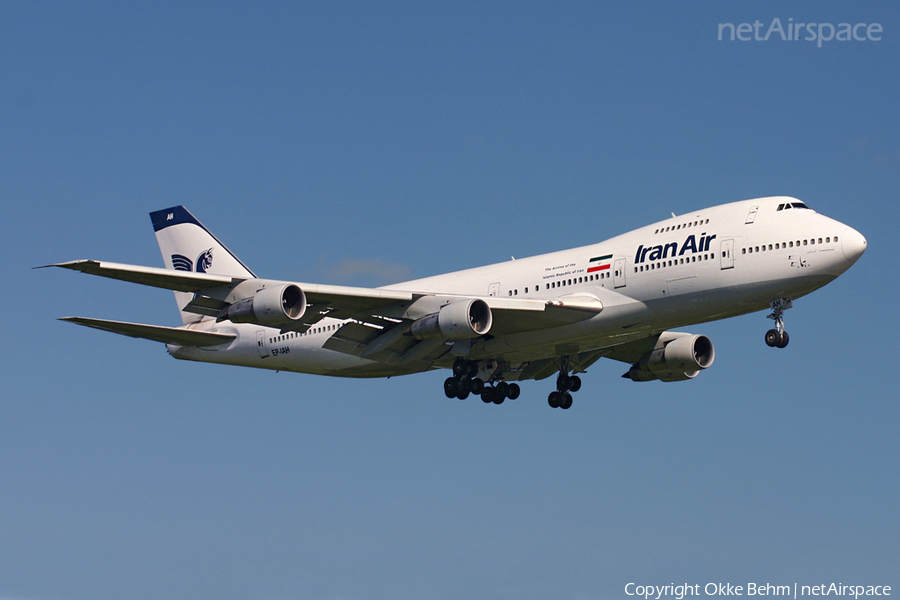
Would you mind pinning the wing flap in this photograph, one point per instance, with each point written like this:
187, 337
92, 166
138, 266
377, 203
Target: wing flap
156, 333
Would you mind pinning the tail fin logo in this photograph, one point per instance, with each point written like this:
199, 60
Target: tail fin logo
204, 261
182, 263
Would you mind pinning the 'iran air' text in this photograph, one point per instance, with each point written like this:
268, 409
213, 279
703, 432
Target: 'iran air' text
665, 251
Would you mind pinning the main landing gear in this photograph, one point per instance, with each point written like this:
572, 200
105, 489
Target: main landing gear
778, 337
465, 382
565, 385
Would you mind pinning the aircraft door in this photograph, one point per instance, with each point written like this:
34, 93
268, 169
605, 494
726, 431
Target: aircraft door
619, 273
751, 216
494, 289
727, 254
261, 343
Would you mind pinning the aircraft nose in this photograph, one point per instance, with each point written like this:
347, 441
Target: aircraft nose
853, 244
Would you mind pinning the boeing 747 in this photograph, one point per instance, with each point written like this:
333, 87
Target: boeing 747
494, 326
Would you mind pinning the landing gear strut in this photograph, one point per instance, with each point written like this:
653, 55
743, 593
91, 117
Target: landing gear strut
565, 385
778, 337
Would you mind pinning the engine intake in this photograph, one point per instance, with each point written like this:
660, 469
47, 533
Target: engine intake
455, 321
680, 359
274, 305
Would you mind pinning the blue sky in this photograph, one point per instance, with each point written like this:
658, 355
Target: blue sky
363, 143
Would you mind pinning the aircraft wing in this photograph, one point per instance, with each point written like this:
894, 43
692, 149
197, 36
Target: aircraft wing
179, 281
383, 316
216, 291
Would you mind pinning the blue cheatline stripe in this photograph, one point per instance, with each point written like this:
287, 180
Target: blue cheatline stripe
178, 215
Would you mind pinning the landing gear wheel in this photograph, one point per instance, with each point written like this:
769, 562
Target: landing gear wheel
513, 391
460, 367
503, 389
566, 402
574, 383
772, 338
498, 398
488, 394
477, 386
451, 387
785, 338
554, 399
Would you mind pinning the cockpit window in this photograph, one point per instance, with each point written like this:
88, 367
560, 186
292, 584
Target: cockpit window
793, 205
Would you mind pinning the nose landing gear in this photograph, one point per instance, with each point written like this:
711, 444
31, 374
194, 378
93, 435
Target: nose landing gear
778, 337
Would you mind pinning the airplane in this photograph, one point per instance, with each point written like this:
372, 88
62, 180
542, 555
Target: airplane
500, 324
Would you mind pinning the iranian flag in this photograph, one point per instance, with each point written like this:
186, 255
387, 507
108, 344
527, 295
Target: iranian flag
599, 263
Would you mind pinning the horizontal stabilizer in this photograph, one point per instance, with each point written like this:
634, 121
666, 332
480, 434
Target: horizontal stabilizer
166, 335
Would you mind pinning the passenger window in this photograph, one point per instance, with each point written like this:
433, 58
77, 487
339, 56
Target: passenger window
820, 240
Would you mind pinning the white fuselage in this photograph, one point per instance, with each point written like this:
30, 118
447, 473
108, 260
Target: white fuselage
712, 264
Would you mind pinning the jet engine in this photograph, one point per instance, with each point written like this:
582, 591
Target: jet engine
678, 358
455, 321
274, 305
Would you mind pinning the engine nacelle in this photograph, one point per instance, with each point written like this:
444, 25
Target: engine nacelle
680, 359
456, 321
274, 305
